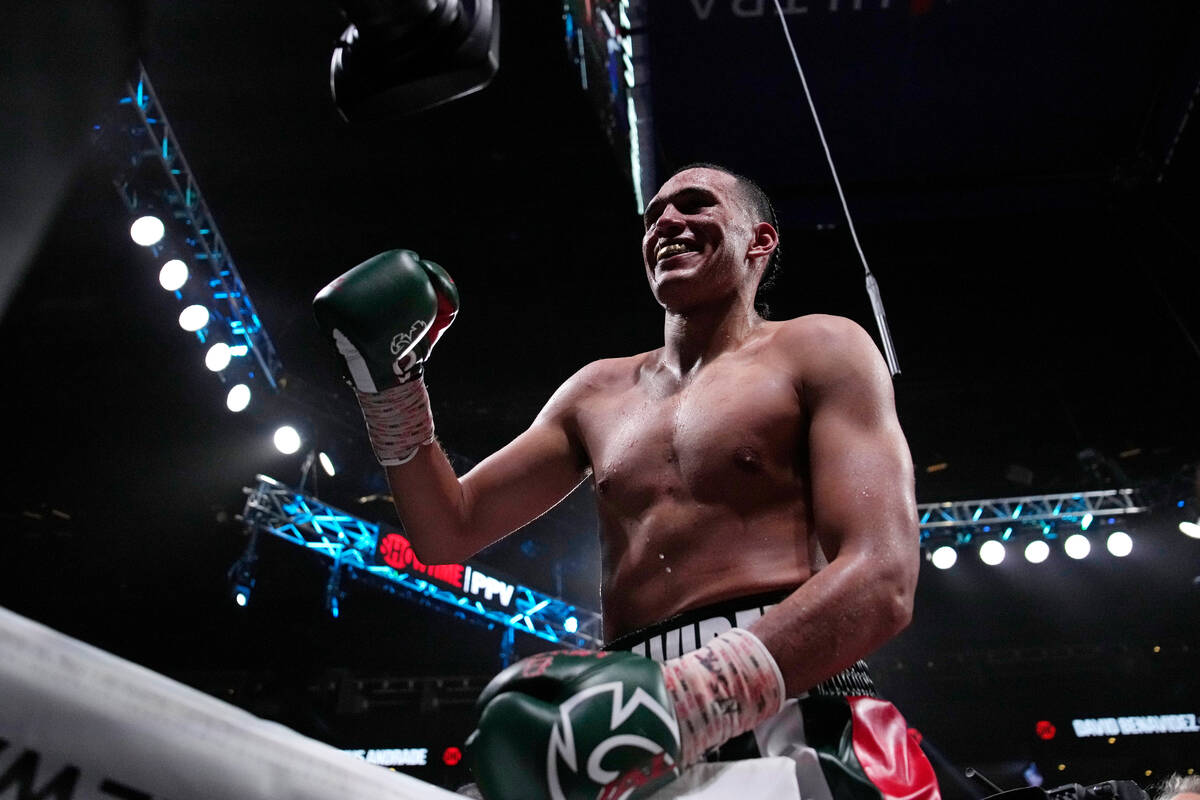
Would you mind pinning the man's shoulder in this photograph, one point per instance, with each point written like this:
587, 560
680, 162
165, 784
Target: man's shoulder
603, 377
611, 373
825, 328
818, 337
823, 348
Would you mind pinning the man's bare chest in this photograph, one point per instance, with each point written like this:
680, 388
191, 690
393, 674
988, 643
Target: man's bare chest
732, 437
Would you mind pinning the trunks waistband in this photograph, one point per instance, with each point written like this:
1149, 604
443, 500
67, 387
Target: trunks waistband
691, 629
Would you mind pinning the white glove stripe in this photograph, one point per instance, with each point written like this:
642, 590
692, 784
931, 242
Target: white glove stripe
355, 363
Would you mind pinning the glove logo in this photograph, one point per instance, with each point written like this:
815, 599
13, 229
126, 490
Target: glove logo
402, 346
574, 733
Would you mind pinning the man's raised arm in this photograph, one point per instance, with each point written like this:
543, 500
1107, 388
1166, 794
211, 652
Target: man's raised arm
863, 509
384, 316
448, 518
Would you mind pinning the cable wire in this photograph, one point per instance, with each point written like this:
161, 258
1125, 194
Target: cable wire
889, 349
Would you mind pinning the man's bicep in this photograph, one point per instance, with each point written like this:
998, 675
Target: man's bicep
529, 475
860, 467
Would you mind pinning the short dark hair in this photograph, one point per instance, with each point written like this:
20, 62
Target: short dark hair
1175, 784
756, 197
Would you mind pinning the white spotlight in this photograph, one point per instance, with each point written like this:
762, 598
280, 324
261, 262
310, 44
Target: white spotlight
1120, 544
991, 552
326, 464
1077, 546
287, 440
147, 231
173, 275
1037, 551
1191, 529
241, 599
218, 356
193, 318
238, 398
944, 557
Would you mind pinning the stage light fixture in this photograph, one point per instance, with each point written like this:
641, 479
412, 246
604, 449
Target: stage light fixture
1120, 544
241, 578
1077, 546
992, 552
944, 557
238, 398
173, 275
1086, 522
193, 318
570, 624
147, 231
287, 440
326, 464
218, 357
1191, 529
1037, 551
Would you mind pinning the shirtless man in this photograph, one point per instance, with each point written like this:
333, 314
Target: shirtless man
752, 481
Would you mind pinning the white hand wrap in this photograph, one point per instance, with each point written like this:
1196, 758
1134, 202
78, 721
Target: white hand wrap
723, 689
399, 421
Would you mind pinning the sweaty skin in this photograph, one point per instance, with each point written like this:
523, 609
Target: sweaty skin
742, 456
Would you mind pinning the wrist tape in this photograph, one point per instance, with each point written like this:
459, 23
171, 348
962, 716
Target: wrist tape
399, 421
723, 689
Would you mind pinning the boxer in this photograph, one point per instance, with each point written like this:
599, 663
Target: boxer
757, 517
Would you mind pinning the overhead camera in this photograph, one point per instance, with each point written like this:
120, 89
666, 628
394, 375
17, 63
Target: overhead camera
1106, 790
399, 57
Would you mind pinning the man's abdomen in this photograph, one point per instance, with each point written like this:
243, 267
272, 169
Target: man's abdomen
681, 556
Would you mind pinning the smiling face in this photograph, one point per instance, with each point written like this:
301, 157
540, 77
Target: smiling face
702, 242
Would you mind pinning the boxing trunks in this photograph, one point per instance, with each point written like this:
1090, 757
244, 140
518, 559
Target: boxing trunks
846, 742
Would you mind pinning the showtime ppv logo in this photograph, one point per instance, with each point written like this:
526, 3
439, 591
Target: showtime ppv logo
397, 553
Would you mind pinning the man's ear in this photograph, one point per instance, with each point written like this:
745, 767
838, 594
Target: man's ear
765, 240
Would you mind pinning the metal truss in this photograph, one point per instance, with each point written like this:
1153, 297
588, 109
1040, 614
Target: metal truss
468, 591
960, 520
175, 192
473, 593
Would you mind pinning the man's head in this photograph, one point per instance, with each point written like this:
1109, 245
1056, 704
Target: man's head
710, 223
1178, 787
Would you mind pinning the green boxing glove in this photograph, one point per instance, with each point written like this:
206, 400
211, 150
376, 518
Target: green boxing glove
575, 725
582, 725
384, 316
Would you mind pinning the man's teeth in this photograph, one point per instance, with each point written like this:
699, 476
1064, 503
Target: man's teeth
671, 250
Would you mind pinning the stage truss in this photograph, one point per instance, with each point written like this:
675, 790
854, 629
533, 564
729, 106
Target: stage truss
957, 522
469, 591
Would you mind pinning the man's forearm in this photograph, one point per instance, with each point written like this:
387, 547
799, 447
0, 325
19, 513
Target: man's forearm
432, 506
843, 613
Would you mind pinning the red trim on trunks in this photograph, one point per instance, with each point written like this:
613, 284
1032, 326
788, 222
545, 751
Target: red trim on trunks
890, 757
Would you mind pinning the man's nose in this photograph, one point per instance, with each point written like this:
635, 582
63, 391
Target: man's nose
669, 221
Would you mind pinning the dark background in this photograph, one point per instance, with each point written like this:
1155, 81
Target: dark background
1022, 177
